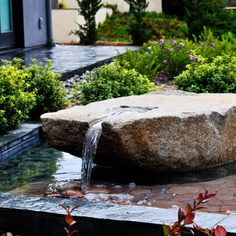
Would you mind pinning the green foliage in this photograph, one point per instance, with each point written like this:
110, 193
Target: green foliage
208, 13
115, 27
218, 76
111, 81
15, 100
88, 31
138, 28
49, 91
62, 5
161, 25
27, 92
209, 46
166, 57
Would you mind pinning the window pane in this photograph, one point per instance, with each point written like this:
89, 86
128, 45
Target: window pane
6, 17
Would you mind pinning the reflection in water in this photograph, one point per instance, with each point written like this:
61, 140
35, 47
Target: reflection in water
38, 164
43, 169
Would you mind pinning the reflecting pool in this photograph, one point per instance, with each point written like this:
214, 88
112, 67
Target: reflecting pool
31, 171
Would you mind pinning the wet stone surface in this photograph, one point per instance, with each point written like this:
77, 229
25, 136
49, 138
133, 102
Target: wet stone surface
67, 58
106, 211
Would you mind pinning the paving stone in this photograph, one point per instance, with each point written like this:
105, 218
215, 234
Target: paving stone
159, 189
213, 209
184, 197
229, 203
227, 191
228, 208
225, 197
141, 191
185, 189
167, 204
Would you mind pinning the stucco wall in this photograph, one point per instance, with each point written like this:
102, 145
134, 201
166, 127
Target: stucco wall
154, 5
64, 21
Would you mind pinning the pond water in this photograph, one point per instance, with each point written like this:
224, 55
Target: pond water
31, 171
45, 171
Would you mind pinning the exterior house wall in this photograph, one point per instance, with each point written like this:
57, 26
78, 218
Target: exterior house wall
34, 33
154, 5
65, 20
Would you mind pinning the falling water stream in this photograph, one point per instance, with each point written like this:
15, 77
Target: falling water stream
93, 135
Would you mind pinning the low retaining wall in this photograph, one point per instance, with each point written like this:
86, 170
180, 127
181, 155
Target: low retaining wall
15, 141
43, 216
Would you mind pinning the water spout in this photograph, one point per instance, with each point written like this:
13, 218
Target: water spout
93, 135
89, 151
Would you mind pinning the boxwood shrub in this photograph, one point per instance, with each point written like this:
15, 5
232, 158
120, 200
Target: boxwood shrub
218, 76
15, 99
27, 92
49, 91
111, 81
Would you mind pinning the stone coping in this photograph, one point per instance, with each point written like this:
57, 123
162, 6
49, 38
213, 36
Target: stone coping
96, 213
19, 139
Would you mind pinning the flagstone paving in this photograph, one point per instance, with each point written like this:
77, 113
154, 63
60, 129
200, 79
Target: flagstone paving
164, 196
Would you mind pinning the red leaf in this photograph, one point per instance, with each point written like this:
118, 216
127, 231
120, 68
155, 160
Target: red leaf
220, 231
200, 197
181, 214
176, 228
190, 214
69, 219
188, 209
207, 231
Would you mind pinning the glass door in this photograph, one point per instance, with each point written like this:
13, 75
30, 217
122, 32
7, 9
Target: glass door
7, 35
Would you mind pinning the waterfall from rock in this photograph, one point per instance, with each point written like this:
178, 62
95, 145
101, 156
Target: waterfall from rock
92, 137
89, 151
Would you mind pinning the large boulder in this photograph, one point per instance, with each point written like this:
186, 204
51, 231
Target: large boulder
154, 132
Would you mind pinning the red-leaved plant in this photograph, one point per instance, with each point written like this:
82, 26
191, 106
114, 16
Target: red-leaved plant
186, 217
70, 220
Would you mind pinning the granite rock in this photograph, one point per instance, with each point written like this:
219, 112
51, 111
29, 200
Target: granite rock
154, 132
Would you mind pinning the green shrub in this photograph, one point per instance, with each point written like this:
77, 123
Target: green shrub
209, 13
15, 99
50, 92
165, 57
138, 28
218, 76
115, 27
28, 92
88, 31
111, 81
209, 46
161, 25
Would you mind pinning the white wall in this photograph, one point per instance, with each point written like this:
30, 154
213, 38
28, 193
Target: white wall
154, 5
63, 21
